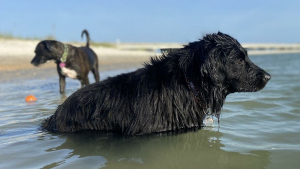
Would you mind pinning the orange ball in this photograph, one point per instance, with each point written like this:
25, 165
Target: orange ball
30, 98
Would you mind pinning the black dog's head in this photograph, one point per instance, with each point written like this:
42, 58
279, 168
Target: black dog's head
225, 63
44, 51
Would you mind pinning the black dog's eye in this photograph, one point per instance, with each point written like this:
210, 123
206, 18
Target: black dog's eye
241, 60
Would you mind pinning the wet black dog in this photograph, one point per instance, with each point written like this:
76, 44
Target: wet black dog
73, 62
173, 92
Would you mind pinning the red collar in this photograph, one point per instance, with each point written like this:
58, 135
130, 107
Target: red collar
198, 96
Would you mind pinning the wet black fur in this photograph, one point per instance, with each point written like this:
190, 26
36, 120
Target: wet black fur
157, 98
81, 59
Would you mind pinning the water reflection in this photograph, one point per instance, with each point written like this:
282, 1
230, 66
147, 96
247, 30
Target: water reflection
198, 149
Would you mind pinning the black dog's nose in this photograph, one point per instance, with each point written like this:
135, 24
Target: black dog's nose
267, 77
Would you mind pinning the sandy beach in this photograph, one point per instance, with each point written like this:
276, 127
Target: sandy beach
16, 55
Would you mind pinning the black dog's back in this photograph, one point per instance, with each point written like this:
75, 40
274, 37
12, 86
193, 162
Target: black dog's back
139, 102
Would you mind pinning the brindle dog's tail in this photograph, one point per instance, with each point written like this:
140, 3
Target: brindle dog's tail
87, 37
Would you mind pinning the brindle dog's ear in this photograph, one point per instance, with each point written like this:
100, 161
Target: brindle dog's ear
48, 45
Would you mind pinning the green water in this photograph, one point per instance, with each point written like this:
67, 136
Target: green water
256, 130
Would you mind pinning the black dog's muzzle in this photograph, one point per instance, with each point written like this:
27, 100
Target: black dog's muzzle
266, 77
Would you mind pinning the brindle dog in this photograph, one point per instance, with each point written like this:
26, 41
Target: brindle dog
73, 62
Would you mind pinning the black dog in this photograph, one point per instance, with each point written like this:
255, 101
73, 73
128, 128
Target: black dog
73, 62
173, 92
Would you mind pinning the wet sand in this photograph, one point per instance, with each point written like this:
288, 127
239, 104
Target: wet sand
17, 68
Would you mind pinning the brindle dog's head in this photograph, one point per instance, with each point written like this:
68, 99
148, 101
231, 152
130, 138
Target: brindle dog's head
45, 51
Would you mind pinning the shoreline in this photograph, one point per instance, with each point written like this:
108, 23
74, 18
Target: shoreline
16, 54
21, 69
16, 48
272, 52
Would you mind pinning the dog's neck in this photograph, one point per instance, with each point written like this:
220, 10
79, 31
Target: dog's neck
63, 58
65, 54
198, 96
212, 100
60, 53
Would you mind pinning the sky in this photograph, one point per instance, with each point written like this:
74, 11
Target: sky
255, 21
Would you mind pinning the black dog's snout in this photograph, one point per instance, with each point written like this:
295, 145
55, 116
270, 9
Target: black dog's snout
267, 77
33, 62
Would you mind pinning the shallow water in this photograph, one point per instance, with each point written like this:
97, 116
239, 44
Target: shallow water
256, 130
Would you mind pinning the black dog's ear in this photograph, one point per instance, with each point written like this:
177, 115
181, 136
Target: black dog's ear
218, 76
220, 33
48, 45
192, 58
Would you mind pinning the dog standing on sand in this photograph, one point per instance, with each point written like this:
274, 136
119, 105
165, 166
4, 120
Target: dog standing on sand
73, 62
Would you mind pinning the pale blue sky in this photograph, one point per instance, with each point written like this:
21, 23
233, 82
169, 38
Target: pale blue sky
153, 21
